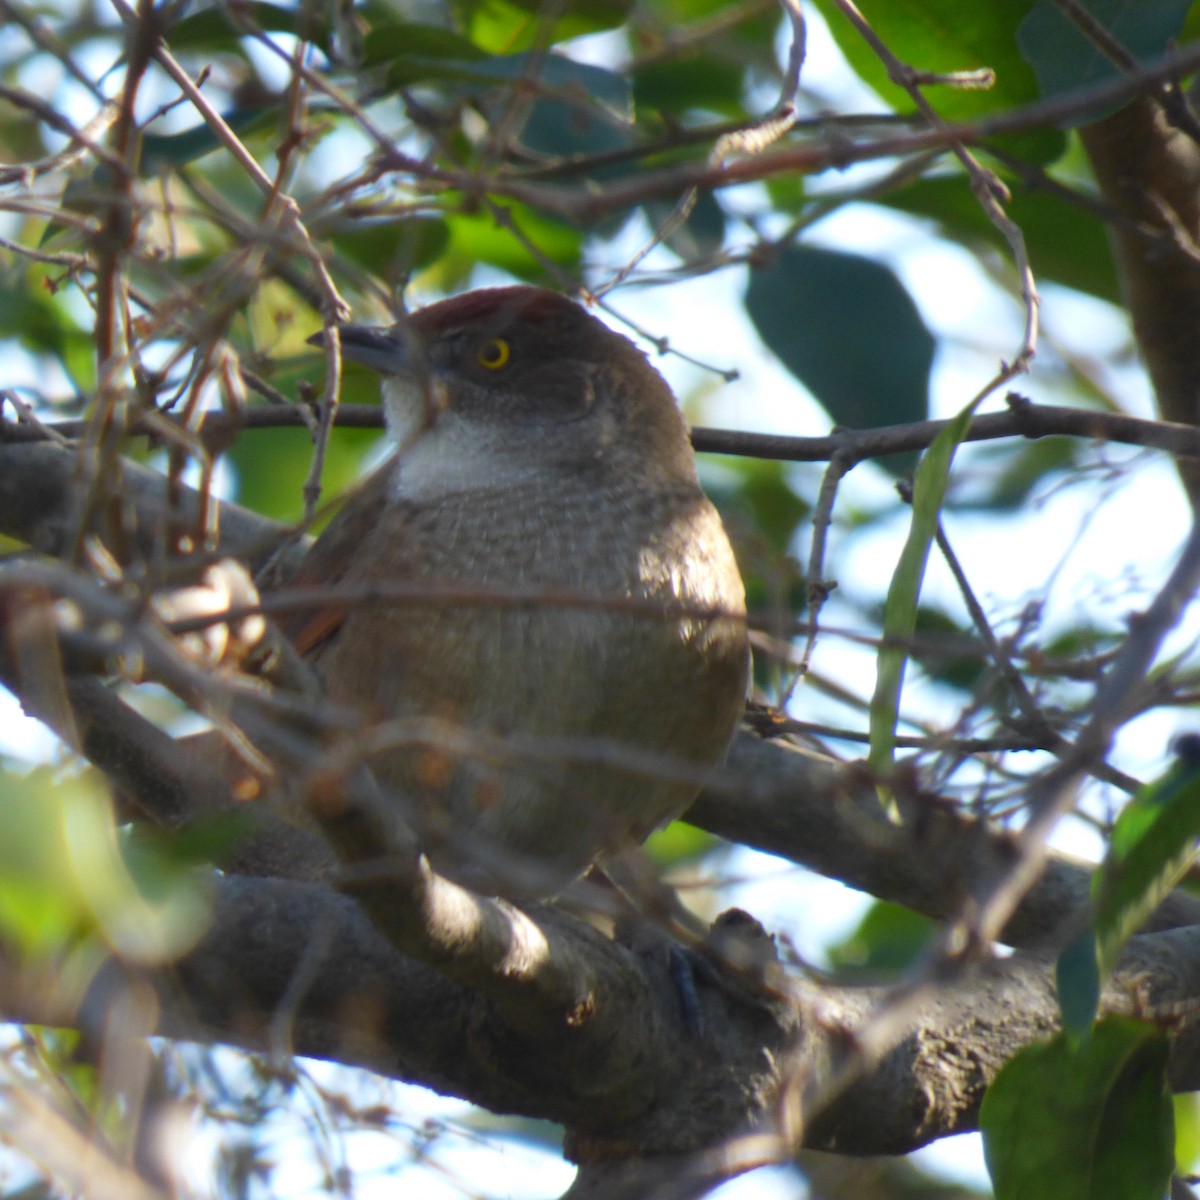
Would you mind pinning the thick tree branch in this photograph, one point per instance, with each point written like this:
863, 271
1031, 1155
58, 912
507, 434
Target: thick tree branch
1150, 172
41, 490
291, 967
827, 816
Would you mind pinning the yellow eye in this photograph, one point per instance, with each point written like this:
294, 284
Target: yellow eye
493, 354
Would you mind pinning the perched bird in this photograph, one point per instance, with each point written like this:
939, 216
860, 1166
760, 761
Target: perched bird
583, 632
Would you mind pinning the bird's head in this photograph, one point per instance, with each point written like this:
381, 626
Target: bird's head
521, 377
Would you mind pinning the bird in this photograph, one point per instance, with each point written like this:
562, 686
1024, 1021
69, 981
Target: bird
568, 658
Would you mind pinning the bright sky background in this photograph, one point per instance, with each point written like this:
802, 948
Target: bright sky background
704, 318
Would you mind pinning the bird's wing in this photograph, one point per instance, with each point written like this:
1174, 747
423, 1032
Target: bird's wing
330, 559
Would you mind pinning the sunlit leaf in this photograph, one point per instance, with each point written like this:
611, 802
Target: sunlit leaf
679, 843
480, 238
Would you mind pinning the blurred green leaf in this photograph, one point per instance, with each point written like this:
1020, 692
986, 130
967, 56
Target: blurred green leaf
1078, 983
700, 81
210, 30
1002, 478
949, 653
420, 54
506, 26
701, 234
679, 843
1081, 641
762, 510
1153, 843
846, 327
1066, 243
1187, 1130
679, 65
889, 939
1064, 59
163, 153
561, 129
392, 247
479, 238
391, 41
272, 465
40, 908
62, 874
45, 324
775, 509
1086, 1122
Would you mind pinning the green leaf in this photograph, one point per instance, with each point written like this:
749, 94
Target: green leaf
945, 36
505, 26
1086, 1122
391, 246
63, 875
272, 465
900, 611
164, 153
560, 129
477, 237
1078, 982
1007, 475
776, 510
701, 235
704, 82
888, 939
392, 42
47, 324
1187, 1127
949, 654
40, 909
1153, 844
846, 327
1066, 243
678, 843
420, 53
1064, 58
211, 31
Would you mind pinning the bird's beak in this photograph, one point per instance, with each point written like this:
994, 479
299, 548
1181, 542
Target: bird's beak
383, 350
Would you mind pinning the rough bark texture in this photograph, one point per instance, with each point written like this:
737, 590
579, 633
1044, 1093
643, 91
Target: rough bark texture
1150, 172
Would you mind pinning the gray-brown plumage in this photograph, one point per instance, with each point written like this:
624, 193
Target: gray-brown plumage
538, 453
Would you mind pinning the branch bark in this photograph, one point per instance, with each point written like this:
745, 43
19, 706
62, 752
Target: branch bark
290, 967
1150, 171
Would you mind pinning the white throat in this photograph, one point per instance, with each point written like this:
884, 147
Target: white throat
440, 454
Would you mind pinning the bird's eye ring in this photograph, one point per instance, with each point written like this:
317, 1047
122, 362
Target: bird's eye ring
493, 354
